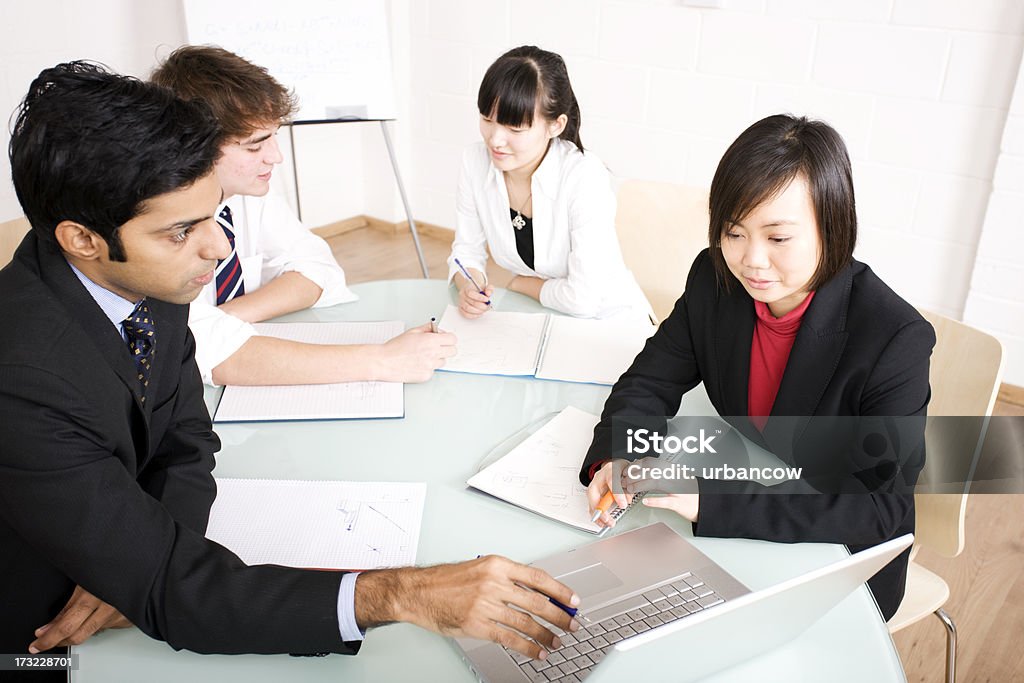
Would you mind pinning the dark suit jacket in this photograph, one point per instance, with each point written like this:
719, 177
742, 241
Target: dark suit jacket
97, 490
860, 351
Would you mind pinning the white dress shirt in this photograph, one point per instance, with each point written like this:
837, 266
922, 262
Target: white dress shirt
575, 246
270, 241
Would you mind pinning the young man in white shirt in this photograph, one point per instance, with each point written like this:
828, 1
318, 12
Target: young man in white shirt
278, 266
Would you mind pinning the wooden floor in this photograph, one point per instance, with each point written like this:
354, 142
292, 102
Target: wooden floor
986, 581
368, 254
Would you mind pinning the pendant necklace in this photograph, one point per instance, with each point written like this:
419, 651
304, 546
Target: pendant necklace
519, 222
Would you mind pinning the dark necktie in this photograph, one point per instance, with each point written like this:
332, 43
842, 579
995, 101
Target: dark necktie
229, 270
139, 329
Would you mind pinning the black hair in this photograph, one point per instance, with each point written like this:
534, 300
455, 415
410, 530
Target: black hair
92, 146
762, 161
523, 78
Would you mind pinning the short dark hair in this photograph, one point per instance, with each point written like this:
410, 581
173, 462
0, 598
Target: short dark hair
91, 146
242, 95
523, 78
762, 161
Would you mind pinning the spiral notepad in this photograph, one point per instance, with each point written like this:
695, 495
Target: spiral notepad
541, 474
545, 346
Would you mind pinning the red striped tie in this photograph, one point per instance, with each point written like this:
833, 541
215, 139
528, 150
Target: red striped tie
229, 270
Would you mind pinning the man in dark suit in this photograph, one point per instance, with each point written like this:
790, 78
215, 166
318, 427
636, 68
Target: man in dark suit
106, 447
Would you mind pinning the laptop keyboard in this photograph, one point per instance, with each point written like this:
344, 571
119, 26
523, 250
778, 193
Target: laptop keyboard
583, 650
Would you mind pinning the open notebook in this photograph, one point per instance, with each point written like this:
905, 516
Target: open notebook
545, 346
318, 524
346, 400
542, 473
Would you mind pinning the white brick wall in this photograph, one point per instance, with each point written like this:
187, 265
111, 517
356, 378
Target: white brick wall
995, 301
34, 35
920, 89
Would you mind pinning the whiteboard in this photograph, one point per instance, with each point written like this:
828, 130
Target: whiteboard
335, 54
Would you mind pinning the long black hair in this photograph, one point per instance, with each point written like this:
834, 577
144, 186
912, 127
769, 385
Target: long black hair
523, 79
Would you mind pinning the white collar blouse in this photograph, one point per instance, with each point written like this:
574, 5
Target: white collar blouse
575, 246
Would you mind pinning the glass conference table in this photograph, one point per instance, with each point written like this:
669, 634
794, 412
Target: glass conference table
451, 423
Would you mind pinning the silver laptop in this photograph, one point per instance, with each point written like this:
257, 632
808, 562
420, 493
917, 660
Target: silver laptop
648, 593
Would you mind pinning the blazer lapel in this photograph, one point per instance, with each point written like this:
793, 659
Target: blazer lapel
813, 360
86, 313
734, 330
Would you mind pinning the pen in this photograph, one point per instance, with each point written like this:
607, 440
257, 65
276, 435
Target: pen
470, 278
571, 611
604, 505
433, 325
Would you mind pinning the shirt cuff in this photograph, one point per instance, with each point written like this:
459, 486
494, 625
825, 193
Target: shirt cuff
347, 609
592, 470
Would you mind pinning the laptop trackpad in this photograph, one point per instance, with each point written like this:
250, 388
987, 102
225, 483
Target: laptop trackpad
590, 580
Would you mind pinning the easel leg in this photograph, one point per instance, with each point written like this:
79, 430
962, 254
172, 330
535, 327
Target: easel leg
405, 200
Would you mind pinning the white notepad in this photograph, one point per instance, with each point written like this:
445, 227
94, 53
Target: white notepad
342, 401
545, 346
318, 524
542, 473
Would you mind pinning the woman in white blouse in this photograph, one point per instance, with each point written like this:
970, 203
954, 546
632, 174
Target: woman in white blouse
544, 207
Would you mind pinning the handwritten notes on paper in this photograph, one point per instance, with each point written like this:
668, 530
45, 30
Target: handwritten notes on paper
497, 343
546, 346
319, 524
542, 473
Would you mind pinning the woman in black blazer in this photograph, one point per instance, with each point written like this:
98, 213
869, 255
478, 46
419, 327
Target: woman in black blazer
778, 319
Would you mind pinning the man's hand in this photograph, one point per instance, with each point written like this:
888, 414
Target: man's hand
84, 615
414, 355
492, 598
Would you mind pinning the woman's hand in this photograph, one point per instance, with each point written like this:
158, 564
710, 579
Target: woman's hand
683, 499
527, 285
681, 495
611, 477
473, 302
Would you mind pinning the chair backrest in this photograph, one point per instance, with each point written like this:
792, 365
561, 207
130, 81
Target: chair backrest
11, 234
966, 368
661, 228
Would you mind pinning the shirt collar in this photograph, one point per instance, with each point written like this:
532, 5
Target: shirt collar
545, 178
114, 306
788, 324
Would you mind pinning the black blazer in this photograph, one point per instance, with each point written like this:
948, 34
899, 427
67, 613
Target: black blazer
97, 490
860, 351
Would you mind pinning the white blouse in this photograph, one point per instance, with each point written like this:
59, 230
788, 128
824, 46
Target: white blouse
575, 246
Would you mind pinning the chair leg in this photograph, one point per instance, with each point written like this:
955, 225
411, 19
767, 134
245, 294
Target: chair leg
950, 644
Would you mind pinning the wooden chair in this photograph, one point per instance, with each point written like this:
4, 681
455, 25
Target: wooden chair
966, 368
661, 229
11, 234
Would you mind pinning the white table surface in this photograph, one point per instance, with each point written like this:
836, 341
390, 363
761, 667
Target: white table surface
452, 422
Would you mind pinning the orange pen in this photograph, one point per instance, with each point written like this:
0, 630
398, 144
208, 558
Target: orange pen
606, 503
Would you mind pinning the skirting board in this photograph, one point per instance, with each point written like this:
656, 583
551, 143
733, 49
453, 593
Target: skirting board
357, 222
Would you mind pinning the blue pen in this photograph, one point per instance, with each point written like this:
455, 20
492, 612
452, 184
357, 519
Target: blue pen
571, 611
470, 278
